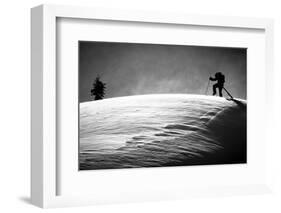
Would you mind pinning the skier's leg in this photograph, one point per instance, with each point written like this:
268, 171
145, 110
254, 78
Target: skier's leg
215, 88
220, 91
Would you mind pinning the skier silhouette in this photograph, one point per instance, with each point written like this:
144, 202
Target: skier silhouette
219, 77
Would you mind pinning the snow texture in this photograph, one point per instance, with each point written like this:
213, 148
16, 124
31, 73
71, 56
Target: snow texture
161, 130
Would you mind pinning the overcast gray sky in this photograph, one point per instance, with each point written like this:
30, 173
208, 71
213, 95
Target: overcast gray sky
134, 69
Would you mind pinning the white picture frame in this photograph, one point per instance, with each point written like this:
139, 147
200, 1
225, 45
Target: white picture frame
44, 153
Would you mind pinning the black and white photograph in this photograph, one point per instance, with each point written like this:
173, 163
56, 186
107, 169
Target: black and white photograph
159, 105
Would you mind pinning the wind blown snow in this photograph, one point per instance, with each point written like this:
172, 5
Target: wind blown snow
161, 130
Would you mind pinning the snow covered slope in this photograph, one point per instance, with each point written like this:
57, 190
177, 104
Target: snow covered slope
161, 130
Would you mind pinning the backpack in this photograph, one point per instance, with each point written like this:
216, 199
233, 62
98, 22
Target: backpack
222, 78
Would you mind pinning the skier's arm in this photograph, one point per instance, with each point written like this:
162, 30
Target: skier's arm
212, 79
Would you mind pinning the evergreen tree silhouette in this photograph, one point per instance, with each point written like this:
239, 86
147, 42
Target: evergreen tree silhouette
98, 90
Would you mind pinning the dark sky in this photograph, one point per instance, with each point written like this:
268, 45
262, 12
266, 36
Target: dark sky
134, 69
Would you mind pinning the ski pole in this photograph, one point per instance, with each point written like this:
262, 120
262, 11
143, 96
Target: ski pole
228, 93
207, 87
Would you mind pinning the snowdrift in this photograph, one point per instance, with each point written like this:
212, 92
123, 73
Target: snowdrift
162, 130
